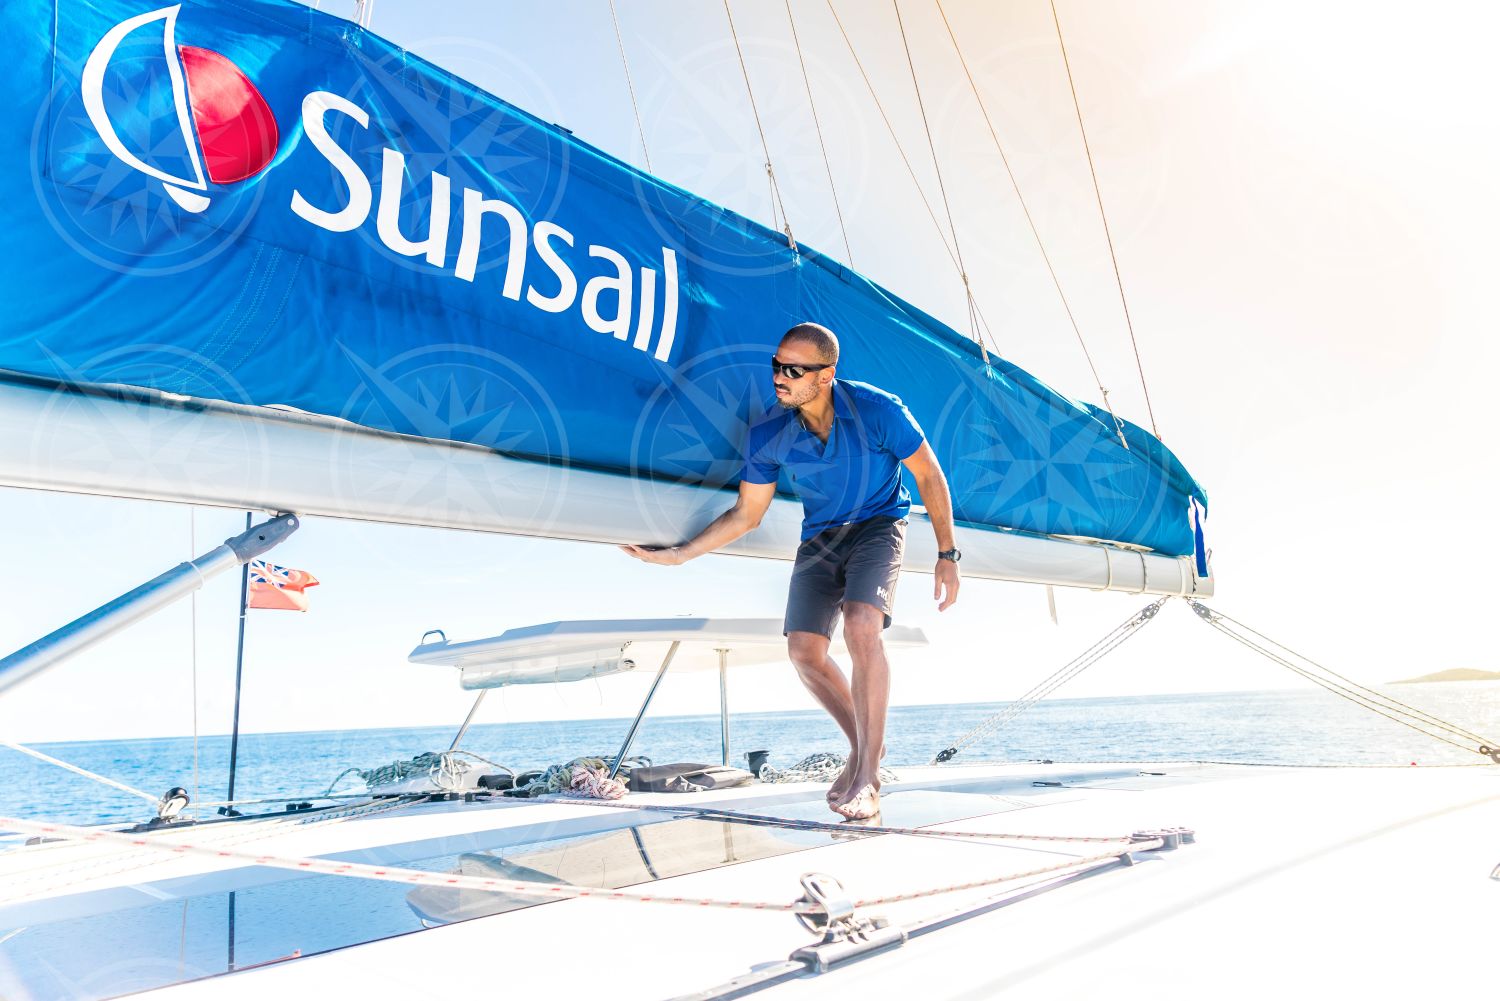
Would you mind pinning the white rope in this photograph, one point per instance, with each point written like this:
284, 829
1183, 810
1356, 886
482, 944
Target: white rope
630, 85
1104, 219
1330, 680
910, 170
937, 168
1056, 680
44, 878
1035, 232
841, 827
387, 874
818, 127
153, 800
776, 200
891, 129
193, 606
393, 874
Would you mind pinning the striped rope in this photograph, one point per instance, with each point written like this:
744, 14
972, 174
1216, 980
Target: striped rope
836, 827
417, 877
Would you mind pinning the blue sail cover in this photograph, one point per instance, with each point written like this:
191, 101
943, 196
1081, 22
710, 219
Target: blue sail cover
259, 203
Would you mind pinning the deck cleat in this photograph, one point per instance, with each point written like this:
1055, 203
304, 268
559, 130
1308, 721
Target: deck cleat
1171, 838
845, 935
170, 805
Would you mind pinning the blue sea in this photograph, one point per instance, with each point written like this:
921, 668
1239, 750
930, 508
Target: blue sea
1290, 727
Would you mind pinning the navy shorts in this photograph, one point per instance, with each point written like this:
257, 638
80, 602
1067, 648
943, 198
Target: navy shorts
858, 562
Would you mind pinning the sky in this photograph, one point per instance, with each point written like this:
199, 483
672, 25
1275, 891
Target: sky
1302, 202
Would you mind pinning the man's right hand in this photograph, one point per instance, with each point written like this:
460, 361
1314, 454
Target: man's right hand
671, 556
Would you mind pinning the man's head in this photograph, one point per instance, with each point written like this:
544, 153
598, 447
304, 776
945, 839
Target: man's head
812, 349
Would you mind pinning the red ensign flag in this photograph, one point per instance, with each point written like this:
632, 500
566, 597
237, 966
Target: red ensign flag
272, 586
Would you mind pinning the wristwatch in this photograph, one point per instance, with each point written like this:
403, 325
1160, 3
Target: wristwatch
950, 554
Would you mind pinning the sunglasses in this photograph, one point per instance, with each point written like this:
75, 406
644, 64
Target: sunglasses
794, 371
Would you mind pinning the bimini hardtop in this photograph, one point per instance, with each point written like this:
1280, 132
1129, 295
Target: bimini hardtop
598, 648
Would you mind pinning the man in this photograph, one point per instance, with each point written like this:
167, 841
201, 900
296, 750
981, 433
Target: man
842, 444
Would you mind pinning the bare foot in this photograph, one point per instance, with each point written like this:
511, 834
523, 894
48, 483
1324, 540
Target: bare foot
839, 790
851, 830
862, 805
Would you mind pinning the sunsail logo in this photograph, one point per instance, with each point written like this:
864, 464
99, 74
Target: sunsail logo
633, 317
227, 127
231, 135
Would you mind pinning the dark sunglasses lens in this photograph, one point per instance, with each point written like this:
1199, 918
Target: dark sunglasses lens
790, 371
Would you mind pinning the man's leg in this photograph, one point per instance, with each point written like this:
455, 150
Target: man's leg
812, 614
822, 677
871, 575
871, 693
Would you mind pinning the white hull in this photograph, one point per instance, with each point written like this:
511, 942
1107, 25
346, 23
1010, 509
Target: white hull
1300, 876
154, 446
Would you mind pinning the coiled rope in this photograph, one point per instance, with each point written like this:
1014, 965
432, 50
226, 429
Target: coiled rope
445, 769
1377, 702
820, 767
1104, 646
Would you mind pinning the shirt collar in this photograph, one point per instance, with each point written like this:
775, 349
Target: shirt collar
840, 408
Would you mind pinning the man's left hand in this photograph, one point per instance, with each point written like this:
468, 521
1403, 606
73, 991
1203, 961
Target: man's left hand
669, 556
945, 583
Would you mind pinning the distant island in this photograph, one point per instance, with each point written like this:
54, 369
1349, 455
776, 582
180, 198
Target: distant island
1453, 674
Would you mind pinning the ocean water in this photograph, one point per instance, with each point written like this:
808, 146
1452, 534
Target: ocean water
1289, 727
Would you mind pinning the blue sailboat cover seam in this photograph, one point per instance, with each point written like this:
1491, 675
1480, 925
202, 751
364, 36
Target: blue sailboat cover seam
264, 204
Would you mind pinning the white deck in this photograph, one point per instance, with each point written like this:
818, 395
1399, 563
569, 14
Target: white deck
1348, 882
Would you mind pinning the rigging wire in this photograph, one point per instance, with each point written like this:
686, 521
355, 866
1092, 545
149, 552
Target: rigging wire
1035, 232
1377, 702
937, 168
48, 759
776, 200
193, 605
818, 127
630, 86
1088, 658
886, 118
905, 159
1104, 218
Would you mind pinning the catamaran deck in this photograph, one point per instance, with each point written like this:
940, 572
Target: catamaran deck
1371, 881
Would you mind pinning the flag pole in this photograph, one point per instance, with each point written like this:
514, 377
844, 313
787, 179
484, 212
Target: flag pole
239, 669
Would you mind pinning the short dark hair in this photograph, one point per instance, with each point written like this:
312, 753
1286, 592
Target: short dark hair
820, 337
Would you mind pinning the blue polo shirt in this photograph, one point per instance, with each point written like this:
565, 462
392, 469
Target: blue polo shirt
857, 474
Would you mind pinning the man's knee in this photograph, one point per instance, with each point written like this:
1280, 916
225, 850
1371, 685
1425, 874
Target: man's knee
807, 651
862, 625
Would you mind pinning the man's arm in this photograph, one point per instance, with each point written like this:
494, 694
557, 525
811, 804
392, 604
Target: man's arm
745, 516
933, 487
